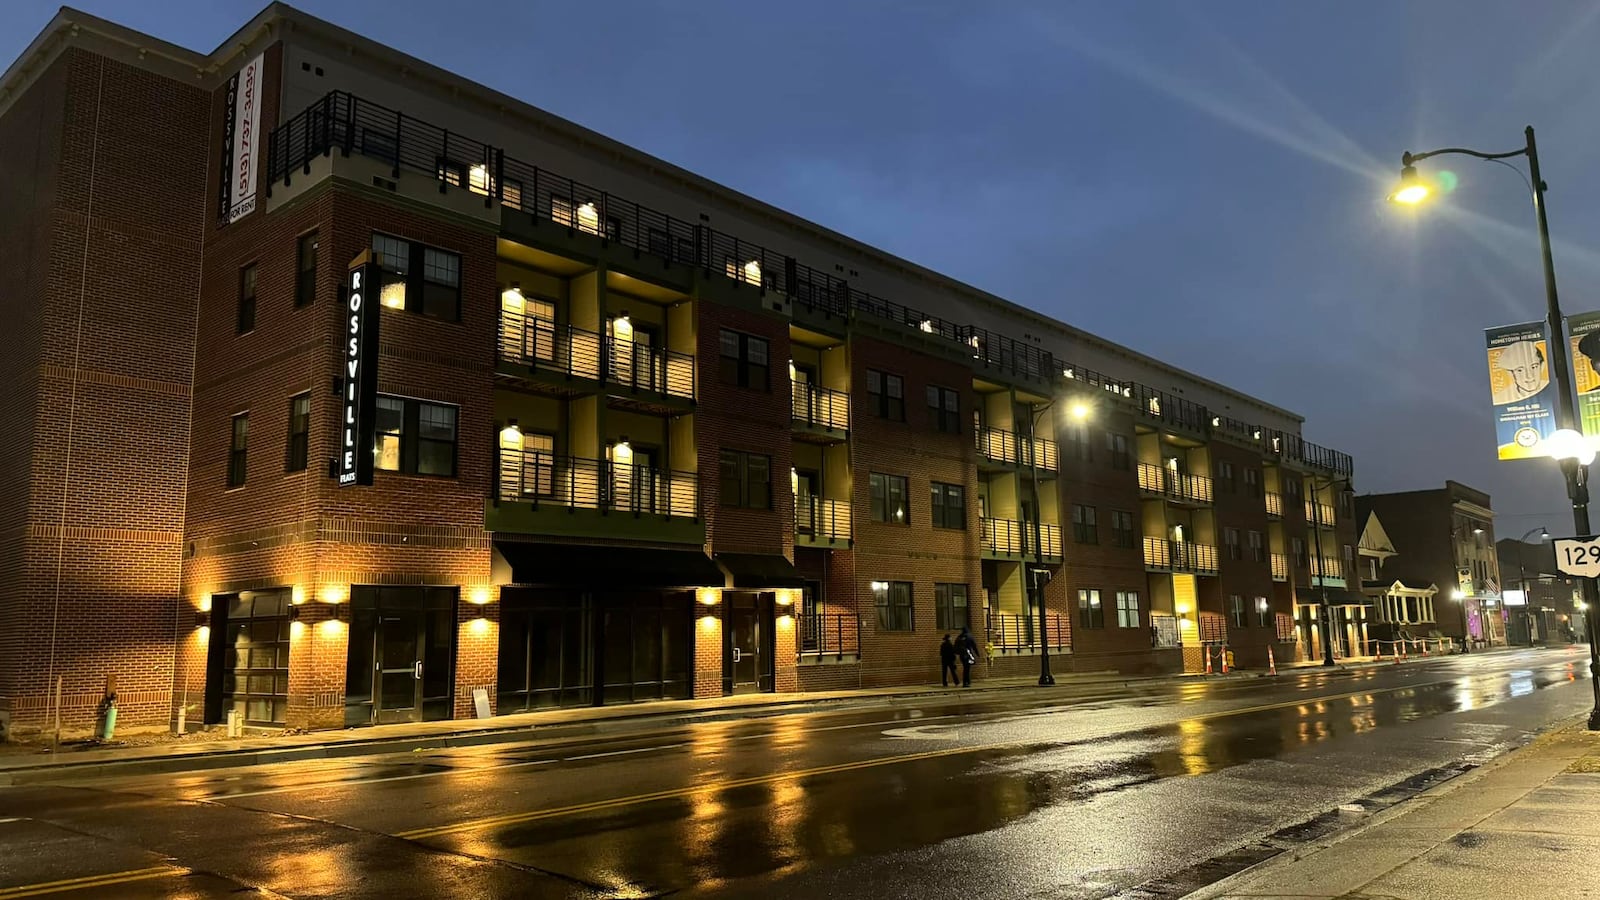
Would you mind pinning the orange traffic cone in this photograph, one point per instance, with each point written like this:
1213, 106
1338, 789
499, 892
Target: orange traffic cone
1272, 664
1207, 652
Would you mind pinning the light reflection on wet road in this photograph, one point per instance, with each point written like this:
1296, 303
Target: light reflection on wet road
1071, 792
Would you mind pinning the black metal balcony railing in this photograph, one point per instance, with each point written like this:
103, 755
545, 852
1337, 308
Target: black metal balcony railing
542, 344
1280, 567
821, 519
1010, 632
353, 126
830, 635
645, 368
531, 476
1180, 556
1274, 504
1011, 537
1319, 513
1154, 479
819, 406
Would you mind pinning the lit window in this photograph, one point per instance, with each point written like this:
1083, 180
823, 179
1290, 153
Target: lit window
890, 496
1127, 609
1090, 613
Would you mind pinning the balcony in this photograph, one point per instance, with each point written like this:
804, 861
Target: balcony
836, 636
819, 522
1162, 555
1274, 505
1319, 513
1174, 487
539, 493
1005, 449
1010, 539
1327, 572
649, 370
552, 353
819, 412
1280, 567
1019, 632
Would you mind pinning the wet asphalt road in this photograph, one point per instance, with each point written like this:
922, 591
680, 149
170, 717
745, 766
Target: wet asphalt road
1065, 792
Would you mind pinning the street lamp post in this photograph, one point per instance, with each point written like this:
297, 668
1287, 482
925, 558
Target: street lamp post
1035, 583
1321, 570
1575, 470
1522, 575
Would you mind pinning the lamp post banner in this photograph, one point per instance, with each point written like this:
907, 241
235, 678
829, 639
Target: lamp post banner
1519, 381
1584, 331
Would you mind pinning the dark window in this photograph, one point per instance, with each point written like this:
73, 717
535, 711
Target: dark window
1127, 609
893, 600
238, 446
247, 298
433, 289
1090, 613
1292, 487
299, 432
1078, 441
416, 437
305, 279
1117, 445
1300, 559
1263, 613
1252, 482
744, 361
1236, 611
1225, 476
1257, 551
1230, 540
1085, 528
949, 506
887, 395
944, 409
890, 498
746, 480
950, 606
1122, 529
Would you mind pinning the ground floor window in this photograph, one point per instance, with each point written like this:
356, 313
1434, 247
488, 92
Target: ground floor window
251, 657
546, 650
569, 647
401, 663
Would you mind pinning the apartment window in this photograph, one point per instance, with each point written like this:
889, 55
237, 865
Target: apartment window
305, 279
890, 498
1127, 609
1291, 487
1252, 482
1085, 530
746, 480
247, 299
1264, 618
1225, 476
416, 437
949, 505
433, 290
1349, 560
299, 432
238, 446
950, 606
1298, 545
1078, 441
1236, 611
1090, 614
743, 362
944, 409
893, 600
1258, 552
1117, 446
887, 395
1230, 540
1122, 529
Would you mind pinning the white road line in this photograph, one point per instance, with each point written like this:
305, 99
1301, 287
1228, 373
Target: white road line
622, 752
9, 821
321, 785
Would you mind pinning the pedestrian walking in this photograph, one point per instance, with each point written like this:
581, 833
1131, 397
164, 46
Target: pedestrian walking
967, 652
947, 661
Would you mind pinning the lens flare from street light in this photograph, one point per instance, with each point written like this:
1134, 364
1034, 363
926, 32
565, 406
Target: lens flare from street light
1079, 411
1411, 194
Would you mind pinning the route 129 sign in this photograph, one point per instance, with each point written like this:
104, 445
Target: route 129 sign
1578, 556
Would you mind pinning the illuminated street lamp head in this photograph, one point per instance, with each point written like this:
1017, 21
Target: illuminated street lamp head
1566, 443
1079, 410
1412, 190
1457, 595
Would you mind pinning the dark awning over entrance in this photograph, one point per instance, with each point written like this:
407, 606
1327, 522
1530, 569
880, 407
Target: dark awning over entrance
757, 571
1339, 597
608, 568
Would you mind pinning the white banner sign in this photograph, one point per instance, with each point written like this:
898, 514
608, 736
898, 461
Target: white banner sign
1579, 557
242, 150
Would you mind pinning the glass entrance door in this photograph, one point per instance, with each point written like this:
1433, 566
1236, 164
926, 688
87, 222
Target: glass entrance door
401, 656
747, 654
399, 672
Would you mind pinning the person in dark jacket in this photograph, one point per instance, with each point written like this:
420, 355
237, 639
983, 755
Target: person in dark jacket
967, 652
947, 662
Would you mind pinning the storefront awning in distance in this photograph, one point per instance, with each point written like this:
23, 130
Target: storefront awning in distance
608, 568
759, 571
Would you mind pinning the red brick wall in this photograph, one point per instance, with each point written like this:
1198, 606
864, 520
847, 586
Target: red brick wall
918, 552
1102, 566
99, 559
1236, 508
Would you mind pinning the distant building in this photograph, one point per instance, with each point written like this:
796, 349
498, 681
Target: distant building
1441, 538
1541, 603
1399, 607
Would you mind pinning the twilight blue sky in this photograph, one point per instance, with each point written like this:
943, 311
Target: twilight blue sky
1201, 181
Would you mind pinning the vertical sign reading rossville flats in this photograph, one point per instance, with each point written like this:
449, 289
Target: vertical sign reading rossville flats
359, 352
241, 142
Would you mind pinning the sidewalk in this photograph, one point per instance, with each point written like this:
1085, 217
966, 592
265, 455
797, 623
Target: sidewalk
1522, 826
18, 766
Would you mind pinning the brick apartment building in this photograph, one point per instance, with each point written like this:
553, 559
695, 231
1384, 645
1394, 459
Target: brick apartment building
594, 373
1543, 606
1443, 541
